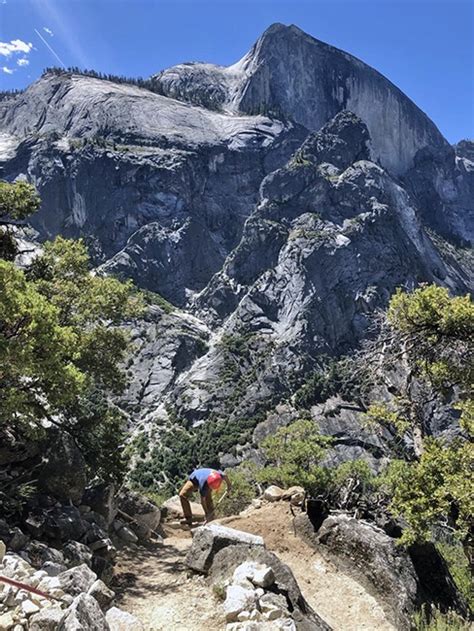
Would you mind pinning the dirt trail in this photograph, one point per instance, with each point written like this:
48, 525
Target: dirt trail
340, 600
153, 582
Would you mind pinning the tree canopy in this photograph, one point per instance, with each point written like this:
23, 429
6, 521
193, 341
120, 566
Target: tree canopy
61, 343
436, 332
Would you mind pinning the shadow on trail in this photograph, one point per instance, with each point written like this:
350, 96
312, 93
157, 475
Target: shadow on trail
149, 569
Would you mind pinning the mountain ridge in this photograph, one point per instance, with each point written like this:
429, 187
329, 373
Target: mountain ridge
272, 236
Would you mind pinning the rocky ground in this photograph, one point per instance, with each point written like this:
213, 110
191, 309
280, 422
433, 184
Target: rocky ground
267, 568
155, 584
323, 585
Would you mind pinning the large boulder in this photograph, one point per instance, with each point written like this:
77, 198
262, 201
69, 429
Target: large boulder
145, 515
273, 493
238, 599
227, 560
103, 594
102, 500
208, 540
40, 554
64, 474
119, 620
59, 523
173, 509
372, 557
77, 553
84, 614
225, 554
47, 619
77, 580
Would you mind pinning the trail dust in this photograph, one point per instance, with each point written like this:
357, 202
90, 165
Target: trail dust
153, 582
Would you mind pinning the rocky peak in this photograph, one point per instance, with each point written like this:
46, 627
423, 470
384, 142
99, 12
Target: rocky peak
290, 74
465, 149
342, 141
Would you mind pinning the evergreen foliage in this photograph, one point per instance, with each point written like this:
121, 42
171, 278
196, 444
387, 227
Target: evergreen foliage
61, 345
294, 454
17, 202
436, 334
140, 82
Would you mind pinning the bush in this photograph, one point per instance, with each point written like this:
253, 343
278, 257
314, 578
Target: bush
341, 377
243, 491
294, 454
437, 621
458, 565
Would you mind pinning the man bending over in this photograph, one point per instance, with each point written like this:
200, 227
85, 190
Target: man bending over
206, 481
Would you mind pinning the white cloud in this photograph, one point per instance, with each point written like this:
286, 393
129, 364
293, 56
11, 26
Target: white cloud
7, 70
23, 61
48, 30
15, 46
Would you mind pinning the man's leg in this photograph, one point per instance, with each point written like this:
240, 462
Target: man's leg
184, 494
208, 505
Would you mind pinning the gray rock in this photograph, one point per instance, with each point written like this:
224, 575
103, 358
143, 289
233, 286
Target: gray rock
77, 580
64, 523
53, 569
174, 510
208, 540
374, 558
47, 619
229, 558
102, 594
273, 493
146, 515
238, 599
64, 474
77, 553
40, 553
290, 73
258, 574
126, 534
18, 540
101, 499
119, 620
84, 613
172, 177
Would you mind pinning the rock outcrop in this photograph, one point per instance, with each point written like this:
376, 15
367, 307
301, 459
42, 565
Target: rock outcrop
400, 579
278, 203
74, 600
324, 81
258, 587
154, 185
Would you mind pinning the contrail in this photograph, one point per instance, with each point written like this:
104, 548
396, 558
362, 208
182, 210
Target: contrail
49, 47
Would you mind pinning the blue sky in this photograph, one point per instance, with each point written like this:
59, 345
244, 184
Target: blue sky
426, 47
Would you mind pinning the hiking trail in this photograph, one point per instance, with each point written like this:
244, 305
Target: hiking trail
154, 583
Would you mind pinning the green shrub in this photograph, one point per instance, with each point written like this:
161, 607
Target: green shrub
458, 565
294, 454
154, 298
437, 621
242, 493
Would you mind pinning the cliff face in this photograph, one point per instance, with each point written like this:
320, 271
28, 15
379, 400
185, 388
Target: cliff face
115, 162
279, 202
293, 75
